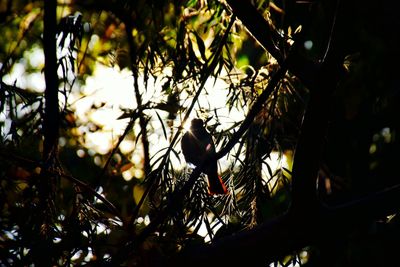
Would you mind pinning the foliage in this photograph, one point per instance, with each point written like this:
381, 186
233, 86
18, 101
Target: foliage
135, 202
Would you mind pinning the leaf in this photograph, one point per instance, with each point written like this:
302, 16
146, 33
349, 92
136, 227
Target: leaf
269, 170
132, 114
200, 44
180, 36
171, 108
193, 60
162, 126
176, 154
287, 170
138, 191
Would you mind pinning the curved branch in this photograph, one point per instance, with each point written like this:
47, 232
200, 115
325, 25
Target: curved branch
283, 235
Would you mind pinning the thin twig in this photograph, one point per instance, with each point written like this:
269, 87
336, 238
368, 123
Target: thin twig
128, 128
89, 189
328, 46
30, 163
255, 109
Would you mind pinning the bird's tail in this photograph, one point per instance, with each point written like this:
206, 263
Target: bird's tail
216, 185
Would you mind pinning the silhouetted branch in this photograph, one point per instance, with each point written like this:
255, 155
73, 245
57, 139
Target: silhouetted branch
257, 26
311, 142
308, 152
51, 115
304, 68
290, 232
320, 78
174, 203
51, 121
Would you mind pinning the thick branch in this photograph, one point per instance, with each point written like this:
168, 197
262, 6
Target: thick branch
311, 142
321, 79
263, 33
290, 232
51, 115
249, 248
308, 154
256, 25
46, 185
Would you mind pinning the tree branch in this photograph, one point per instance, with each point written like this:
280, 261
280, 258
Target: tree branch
283, 235
257, 26
308, 152
264, 34
51, 114
46, 184
311, 142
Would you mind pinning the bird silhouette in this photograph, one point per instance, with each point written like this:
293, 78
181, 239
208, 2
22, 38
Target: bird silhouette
198, 146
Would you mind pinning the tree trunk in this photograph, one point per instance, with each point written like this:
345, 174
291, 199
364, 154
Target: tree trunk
51, 114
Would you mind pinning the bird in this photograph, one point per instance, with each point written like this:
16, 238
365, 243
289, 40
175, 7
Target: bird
197, 146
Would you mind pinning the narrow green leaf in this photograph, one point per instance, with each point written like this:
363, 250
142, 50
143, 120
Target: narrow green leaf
162, 125
200, 44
